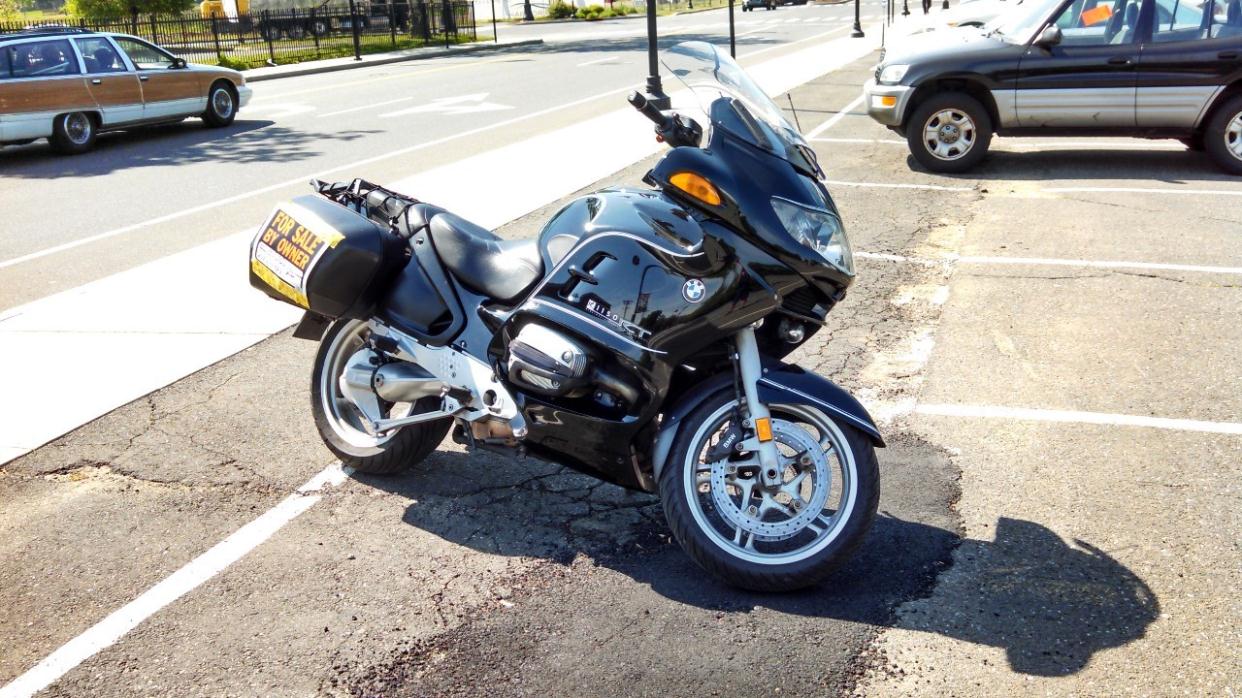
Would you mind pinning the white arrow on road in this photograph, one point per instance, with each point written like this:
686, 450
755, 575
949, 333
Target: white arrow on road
466, 104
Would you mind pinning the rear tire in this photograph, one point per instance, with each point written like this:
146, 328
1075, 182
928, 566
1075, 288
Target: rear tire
73, 133
949, 132
221, 105
800, 550
1223, 136
344, 436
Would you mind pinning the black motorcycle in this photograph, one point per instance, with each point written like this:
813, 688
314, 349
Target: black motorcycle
638, 339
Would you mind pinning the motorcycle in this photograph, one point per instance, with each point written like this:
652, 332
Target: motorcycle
639, 338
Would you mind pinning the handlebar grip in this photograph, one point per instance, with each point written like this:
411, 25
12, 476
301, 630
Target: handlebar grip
648, 109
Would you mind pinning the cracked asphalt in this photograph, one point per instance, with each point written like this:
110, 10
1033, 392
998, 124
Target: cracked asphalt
1010, 557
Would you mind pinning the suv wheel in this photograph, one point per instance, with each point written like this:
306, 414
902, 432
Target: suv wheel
950, 132
1223, 137
73, 133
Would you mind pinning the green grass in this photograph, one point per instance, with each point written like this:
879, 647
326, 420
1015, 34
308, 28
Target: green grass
288, 52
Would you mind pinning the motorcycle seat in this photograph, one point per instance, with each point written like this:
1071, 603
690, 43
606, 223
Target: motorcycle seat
500, 269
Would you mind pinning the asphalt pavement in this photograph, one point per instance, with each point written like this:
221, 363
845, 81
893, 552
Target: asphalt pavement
1050, 343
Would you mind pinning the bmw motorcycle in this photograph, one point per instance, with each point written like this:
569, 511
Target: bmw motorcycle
639, 338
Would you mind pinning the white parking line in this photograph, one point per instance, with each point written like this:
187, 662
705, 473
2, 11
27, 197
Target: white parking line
884, 185
1145, 190
1003, 146
597, 60
1076, 417
365, 107
950, 260
107, 631
832, 121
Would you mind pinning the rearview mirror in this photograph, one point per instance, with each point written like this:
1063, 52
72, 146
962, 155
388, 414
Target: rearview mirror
178, 63
1049, 37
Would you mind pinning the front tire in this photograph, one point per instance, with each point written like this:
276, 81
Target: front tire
1223, 137
783, 538
73, 133
949, 133
221, 105
340, 424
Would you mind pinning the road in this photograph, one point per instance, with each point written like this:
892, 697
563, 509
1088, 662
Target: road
1057, 379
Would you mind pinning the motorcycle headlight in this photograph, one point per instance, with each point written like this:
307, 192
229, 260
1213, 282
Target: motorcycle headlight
892, 74
819, 230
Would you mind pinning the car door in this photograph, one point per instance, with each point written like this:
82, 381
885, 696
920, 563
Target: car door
169, 89
44, 78
1088, 79
112, 84
1194, 50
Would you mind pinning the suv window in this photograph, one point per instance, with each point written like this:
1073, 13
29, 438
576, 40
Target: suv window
143, 55
43, 58
99, 56
1098, 23
6, 62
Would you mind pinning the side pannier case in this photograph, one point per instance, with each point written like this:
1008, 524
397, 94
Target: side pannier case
325, 257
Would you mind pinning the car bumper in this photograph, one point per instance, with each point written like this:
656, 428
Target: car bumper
887, 103
243, 95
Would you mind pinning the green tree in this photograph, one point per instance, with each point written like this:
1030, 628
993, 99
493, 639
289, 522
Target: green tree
116, 9
9, 10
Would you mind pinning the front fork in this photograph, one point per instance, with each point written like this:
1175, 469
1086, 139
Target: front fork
759, 419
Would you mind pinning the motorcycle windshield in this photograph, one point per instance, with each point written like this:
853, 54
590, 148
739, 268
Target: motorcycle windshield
734, 103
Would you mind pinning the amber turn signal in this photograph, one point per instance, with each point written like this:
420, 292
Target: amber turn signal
696, 186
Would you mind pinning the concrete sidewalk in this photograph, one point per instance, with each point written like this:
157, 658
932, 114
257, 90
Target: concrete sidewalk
333, 65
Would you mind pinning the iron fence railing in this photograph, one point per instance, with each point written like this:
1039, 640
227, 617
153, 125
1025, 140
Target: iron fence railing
289, 36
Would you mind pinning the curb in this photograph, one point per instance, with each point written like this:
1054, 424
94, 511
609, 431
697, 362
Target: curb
312, 69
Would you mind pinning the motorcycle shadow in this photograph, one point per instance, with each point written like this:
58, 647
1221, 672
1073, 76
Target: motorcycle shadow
1049, 604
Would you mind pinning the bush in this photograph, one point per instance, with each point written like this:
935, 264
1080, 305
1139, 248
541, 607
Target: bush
9, 10
559, 9
118, 9
591, 12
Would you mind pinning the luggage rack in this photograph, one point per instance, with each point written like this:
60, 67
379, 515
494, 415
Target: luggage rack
381, 205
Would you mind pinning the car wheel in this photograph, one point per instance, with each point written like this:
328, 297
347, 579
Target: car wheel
950, 132
221, 105
1223, 137
73, 133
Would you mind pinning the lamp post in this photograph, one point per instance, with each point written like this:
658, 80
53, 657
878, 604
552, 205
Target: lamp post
732, 33
527, 14
858, 32
655, 91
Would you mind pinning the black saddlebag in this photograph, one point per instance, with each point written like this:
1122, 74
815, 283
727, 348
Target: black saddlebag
327, 257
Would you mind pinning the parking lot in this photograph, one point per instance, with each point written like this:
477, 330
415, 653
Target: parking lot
1051, 344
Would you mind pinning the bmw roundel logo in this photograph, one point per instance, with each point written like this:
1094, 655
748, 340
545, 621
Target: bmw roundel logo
693, 290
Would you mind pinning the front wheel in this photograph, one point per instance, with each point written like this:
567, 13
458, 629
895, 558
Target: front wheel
221, 105
770, 538
1223, 137
949, 132
341, 424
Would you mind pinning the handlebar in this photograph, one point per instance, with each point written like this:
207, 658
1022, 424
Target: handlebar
647, 109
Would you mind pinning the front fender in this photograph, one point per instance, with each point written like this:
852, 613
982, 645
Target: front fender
781, 383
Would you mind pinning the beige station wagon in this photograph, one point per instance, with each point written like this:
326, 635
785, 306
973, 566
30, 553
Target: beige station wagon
67, 85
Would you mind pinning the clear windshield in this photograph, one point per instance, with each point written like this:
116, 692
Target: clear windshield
733, 102
1018, 23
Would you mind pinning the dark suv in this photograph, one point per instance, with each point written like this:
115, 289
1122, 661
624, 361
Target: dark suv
1147, 68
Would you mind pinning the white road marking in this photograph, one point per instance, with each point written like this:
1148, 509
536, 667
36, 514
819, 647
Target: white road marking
465, 104
597, 61
884, 141
949, 260
107, 631
1002, 146
1076, 417
1145, 190
365, 107
279, 110
832, 121
883, 185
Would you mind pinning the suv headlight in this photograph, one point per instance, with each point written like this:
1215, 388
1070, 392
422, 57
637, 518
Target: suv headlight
892, 74
819, 230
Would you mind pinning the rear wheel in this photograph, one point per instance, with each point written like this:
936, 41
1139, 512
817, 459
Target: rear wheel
949, 132
1223, 137
340, 423
770, 538
73, 133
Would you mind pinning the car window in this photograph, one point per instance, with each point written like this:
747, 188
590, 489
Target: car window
1092, 23
1226, 19
143, 55
38, 59
99, 56
6, 62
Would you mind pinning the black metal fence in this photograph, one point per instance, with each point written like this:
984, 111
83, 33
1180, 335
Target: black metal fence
289, 36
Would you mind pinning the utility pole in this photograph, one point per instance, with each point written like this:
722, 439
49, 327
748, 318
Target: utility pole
655, 91
858, 32
527, 14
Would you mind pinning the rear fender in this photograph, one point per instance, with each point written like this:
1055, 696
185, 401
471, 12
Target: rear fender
781, 383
